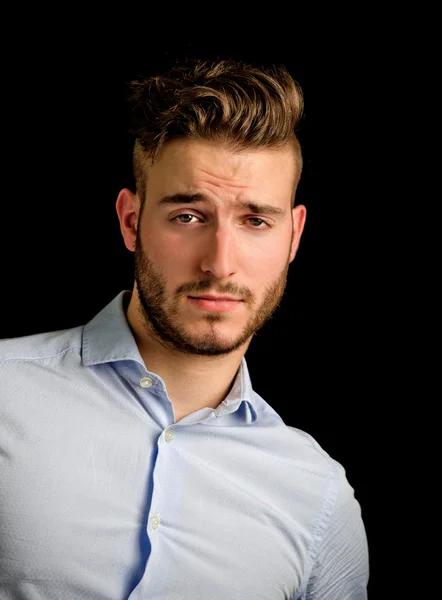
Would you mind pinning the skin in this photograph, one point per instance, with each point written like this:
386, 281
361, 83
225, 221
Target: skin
208, 246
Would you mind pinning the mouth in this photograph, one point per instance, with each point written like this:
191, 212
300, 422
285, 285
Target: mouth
215, 298
215, 303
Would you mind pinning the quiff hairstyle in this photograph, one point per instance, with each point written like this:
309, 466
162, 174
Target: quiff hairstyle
241, 105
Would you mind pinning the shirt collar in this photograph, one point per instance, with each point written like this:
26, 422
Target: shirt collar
108, 338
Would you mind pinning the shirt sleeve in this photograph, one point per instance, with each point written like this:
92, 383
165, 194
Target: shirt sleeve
341, 567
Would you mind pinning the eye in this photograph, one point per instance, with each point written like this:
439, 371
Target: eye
260, 222
186, 219
185, 216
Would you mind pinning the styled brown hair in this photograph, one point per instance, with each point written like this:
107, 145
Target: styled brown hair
242, 105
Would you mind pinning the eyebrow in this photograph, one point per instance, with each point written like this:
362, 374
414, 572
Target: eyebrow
253, 207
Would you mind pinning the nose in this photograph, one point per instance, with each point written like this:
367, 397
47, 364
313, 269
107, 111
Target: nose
219, 253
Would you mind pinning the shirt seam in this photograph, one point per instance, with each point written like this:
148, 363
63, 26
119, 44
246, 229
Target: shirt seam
322, 523
30, 358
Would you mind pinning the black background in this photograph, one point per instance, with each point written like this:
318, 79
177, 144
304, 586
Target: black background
66, 155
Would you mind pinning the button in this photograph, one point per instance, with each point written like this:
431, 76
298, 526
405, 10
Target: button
168, 435
155, 522
146, 382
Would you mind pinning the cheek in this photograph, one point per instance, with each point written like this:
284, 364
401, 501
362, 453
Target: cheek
168, 253
265, 262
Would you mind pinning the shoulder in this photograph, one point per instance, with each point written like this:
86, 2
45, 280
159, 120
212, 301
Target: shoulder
334, 470
40, 346
337, 489
322, 479
296, 446
325, 480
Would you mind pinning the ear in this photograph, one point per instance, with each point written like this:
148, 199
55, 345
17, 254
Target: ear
128, 206
299, 215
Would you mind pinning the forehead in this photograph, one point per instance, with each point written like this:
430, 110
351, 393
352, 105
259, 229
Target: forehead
214, 166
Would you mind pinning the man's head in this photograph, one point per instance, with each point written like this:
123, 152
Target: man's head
216, 164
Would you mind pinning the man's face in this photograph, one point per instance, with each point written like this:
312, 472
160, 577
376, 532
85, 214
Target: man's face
214, 223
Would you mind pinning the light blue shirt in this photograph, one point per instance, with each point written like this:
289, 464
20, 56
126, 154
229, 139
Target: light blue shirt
103, 496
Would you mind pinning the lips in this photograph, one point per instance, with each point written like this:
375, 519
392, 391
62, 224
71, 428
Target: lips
216, 298
221, 304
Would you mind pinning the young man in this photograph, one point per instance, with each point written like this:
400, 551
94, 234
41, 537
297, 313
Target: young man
136, 459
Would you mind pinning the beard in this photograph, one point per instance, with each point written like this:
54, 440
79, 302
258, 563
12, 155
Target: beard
161, 318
